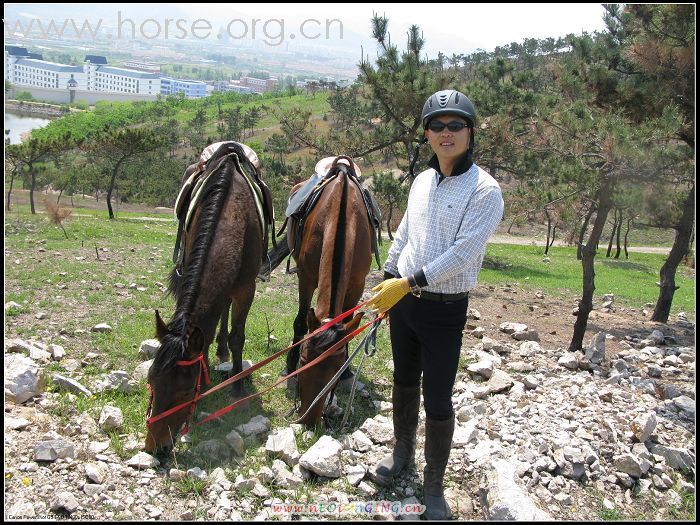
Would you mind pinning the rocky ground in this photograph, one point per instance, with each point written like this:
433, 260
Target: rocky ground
542, 433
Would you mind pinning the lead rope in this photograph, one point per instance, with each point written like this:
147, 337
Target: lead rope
371, 340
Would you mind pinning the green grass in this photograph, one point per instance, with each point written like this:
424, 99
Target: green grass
686, 510
632, 281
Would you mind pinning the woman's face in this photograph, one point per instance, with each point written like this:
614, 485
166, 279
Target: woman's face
449, 145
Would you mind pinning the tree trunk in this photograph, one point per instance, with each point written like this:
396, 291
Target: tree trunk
511, 224
31, 190
586, 305
612, 235
579, 249
678, 251
549, 230
58, 200
111, 188
388, 220
554, 235
617, 244
629, 224
9, 192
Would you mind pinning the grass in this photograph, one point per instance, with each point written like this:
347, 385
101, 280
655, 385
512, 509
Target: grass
632, 281
77, 287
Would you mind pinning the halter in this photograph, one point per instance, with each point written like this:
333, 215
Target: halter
203, 372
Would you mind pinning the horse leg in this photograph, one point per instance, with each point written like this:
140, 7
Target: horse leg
306, 292
239, 313
222, 349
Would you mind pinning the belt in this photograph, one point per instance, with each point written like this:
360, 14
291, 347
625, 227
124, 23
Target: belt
443, 297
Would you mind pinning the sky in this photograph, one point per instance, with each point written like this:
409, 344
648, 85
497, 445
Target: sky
450, 28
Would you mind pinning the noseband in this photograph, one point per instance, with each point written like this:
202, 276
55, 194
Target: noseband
203, 372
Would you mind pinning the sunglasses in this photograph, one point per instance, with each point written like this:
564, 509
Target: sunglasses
453, 126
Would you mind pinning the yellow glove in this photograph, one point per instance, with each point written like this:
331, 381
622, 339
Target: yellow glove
389, 293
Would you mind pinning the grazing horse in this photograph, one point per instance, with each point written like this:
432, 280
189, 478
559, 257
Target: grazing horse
333, 254
222, 254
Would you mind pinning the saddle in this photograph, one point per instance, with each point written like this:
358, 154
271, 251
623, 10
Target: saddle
195, 186
313, 189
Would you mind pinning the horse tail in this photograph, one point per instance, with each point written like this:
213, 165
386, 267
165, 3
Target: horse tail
344, 247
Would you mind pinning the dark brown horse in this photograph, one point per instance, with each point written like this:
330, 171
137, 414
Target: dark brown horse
334, 255
222, 255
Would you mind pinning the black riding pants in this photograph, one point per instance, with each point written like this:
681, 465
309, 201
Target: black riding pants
426, 338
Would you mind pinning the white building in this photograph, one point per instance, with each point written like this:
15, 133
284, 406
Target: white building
26, 69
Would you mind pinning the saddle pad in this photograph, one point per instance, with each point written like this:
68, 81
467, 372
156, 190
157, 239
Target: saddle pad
197, 191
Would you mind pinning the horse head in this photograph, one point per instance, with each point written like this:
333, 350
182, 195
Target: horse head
312, 381
174, 378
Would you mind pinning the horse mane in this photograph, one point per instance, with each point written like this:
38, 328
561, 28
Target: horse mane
186, 288
175, 280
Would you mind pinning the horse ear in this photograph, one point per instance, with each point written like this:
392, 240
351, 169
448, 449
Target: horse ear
311, 320
161, 328
353, 323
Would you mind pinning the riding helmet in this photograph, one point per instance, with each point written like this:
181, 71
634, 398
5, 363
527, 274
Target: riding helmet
448, 102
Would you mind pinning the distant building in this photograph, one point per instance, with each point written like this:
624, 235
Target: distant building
148, 67
101, 77
259, 85
227, 86
23, 69
191, 88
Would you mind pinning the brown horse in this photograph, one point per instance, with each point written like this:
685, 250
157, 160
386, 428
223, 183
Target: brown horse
334, 255
222, 255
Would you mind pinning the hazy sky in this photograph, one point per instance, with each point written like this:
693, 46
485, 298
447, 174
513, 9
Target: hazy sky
450, 28
457, 28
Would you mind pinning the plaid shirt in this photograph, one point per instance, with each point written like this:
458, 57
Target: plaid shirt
445, 228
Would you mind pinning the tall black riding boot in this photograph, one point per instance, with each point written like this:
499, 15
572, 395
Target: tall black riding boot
406, 401
438, 443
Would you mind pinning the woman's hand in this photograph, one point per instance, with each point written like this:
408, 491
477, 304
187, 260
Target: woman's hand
389, 293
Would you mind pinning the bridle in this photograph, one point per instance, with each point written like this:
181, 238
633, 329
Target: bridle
203, 373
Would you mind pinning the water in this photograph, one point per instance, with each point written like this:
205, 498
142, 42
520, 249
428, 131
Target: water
19, 123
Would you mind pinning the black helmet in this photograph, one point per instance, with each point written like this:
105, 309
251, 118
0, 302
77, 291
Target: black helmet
448, 102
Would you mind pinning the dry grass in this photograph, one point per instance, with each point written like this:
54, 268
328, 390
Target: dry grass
57, 215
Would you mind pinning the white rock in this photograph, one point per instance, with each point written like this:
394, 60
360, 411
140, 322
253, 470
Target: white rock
282, 443
568, 360
510, 328
379, 429
143, 460
64, 501
95, 473
256, 426
111, 418
148, 348
644, 425
323, 457
505, 500
24, 379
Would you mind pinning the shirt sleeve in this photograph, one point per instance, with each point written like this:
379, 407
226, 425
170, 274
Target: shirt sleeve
480, 220
397, 246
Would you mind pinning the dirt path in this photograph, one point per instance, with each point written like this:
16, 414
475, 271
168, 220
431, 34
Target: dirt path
500, 238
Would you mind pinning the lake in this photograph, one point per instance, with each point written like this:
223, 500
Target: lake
19, 123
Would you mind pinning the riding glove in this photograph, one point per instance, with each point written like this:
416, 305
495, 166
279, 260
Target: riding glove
389, 293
